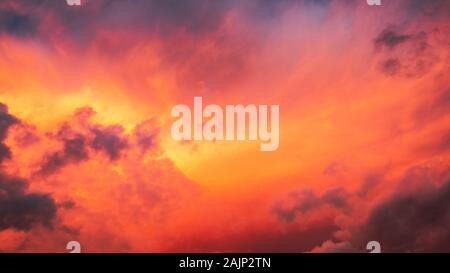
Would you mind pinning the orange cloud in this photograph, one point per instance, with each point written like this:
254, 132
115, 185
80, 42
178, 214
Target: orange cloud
363, 95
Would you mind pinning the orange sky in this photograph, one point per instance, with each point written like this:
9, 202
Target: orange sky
87, 93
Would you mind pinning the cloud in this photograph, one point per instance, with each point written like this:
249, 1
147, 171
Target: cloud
74, 151
414, 217
20, 210
391, 66
6, 121
369, 182
142, 187
81, 25
109, 140
146, 135
78, 137
301, 202
336, 197
16, 24
412, 222
136, 58
390, 39
409, 56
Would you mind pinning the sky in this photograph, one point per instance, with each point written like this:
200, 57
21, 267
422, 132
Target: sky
86, 152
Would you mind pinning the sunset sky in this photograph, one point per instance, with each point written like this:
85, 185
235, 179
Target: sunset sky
86, 152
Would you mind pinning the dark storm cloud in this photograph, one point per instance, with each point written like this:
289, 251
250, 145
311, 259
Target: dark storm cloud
5, 153
74, 151
16, 24
77, 143
390, 39
109, 140
75, 148
20, 210
413, 220
306, 200
6, 121
80, 139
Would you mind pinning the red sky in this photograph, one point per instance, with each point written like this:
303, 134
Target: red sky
86, 152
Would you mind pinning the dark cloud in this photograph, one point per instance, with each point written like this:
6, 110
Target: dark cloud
416, 57
412, 222
75, 148
21, 210
18, 209
304, 201
74, 151
109, 140
336, 197
391, 66
5, 153
16, 24
415, 218
300, 202
6, 121
80, 137
390, 39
